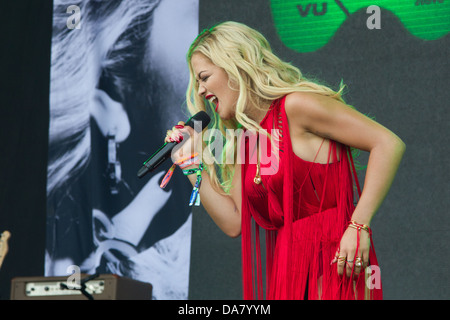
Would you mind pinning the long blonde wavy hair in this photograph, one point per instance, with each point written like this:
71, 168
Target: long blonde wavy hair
261, 77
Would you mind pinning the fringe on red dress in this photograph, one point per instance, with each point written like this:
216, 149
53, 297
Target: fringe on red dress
303, 208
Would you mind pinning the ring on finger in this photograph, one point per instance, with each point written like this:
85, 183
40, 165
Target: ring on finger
342, 259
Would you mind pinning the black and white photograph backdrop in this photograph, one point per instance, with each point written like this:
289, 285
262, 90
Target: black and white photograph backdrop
118, 79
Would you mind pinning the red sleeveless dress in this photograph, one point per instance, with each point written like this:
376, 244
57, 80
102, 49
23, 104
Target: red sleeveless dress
304, 207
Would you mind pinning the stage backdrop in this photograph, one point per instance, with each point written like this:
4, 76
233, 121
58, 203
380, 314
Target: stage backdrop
394, 59
393, 73
118, 81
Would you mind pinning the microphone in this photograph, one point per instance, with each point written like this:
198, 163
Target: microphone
164, 152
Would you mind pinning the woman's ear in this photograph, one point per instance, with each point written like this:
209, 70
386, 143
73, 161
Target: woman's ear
110, 116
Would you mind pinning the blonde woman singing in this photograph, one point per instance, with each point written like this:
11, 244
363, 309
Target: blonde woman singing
318, 244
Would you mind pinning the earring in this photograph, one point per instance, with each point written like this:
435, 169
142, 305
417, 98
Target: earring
114, 169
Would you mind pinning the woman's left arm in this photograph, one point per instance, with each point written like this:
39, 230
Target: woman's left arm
327, 117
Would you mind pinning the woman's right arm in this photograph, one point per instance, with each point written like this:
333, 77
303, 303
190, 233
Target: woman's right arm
225, 210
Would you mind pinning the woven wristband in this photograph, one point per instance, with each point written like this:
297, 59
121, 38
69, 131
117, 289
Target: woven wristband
183, 163
195, 195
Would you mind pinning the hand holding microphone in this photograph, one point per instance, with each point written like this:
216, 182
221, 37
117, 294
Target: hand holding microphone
173, 135
197, 123
186, 139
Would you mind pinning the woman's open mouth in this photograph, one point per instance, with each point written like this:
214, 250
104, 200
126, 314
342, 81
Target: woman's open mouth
213, 99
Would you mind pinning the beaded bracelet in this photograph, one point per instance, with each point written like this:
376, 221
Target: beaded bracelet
189, 162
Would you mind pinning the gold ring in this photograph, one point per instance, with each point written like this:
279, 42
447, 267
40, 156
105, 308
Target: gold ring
342, 259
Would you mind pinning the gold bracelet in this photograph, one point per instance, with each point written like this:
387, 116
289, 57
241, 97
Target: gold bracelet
358, 226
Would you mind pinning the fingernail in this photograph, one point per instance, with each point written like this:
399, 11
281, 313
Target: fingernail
179, 126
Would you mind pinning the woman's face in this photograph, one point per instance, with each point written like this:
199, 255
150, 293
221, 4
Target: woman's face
213, 85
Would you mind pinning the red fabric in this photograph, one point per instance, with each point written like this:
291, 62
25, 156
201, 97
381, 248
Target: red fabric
304, 207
